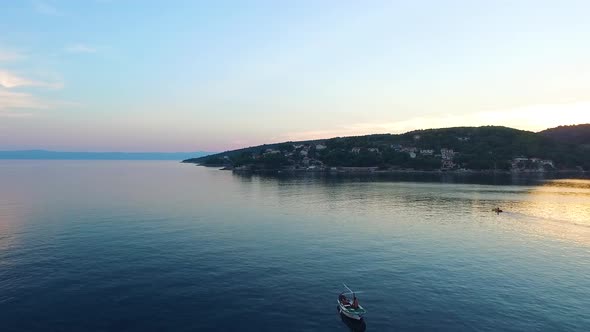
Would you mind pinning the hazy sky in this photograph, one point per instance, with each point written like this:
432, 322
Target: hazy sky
194, 75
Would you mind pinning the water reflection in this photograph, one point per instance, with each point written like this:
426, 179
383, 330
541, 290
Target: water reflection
557, 208
11, 222
559, 200
352, 324
568, 183
104, 243
442, 177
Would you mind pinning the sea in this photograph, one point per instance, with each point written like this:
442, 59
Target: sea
166, 246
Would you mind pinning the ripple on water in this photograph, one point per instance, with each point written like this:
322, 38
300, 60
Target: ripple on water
167, 246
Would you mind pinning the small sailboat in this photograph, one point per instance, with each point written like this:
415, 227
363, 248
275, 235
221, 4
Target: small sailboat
350, 309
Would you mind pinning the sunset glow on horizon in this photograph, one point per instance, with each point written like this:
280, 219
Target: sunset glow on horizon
190, 76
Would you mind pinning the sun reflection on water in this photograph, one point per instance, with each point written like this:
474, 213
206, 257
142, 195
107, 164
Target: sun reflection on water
558, 208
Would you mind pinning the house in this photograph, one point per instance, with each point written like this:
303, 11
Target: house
409, 149
447, 154
376, 150
447, 158
463, 139
417, 137
396, 147
520, 163
271, 151
427, 152
447, 164
531, 164
356, 150
320, 147
303, 153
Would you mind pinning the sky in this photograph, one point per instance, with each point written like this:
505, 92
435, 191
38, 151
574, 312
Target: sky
117, 75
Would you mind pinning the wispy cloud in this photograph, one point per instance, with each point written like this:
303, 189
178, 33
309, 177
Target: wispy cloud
18, 104
11, 102
80, 48
10, 80
18, 92
45, 8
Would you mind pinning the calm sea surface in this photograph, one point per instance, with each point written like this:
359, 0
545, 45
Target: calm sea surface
164, 246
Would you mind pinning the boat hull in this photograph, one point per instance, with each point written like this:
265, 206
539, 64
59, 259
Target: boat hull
351, 313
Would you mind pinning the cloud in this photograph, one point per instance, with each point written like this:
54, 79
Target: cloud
11, 101
80, 48
16, 104
532, 117
46, 9
10, 80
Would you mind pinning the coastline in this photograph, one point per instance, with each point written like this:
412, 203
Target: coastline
376, 170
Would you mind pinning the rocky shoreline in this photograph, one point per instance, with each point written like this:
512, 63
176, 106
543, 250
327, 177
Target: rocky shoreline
376, 170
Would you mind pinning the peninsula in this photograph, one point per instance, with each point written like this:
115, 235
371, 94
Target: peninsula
488, 148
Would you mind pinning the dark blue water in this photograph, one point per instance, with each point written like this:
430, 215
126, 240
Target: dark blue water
162, 246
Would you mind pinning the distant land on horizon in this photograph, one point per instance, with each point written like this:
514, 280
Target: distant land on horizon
482, 148
63, 155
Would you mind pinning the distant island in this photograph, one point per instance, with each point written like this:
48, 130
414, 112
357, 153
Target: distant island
58, 155
463, 149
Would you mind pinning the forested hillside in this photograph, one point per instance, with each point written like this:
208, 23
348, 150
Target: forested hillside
474, 148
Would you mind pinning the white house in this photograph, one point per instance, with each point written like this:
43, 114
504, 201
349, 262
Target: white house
320, 147
447, 164
447, 154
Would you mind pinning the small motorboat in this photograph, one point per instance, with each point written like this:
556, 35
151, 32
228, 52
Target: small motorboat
497, 210
351, 309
